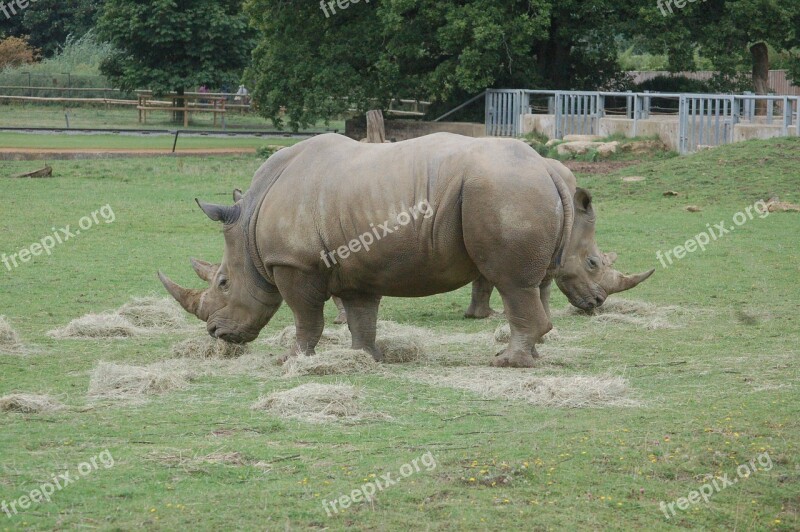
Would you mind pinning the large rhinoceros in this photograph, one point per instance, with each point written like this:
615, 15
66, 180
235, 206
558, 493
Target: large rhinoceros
491, 207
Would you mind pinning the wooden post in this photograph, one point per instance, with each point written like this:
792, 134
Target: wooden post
375, 129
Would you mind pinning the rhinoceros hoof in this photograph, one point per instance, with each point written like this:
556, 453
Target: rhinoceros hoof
282, 359
341, 318
504, 359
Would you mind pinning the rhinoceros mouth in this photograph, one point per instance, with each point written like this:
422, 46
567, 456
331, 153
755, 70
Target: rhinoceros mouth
233, 337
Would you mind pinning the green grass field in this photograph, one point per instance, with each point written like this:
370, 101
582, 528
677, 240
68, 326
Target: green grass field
38, 115
134, 142
714, 391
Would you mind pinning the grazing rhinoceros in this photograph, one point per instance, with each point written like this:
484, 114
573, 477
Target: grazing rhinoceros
332, 216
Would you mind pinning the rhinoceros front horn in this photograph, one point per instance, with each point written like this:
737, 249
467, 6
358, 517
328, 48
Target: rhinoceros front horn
190, 300
622, 282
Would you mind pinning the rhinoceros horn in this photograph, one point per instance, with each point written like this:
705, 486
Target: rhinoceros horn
190, 300
205, 270
220, 213
617, 282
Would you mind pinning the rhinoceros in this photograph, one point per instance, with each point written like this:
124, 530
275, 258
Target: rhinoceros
492, 208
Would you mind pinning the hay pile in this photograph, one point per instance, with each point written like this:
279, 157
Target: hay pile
551, 391
24, 403
154, 313
141, 316
207, 347
331, 362
318, 403
331, 337
629, 312
9, 339
120, 381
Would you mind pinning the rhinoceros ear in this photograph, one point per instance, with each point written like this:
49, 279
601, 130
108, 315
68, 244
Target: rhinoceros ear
220, 213
610, 258
237, 195
583, 200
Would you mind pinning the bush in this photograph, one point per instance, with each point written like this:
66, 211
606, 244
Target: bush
16, 52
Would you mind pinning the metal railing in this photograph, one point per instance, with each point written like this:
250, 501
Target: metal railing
702, 119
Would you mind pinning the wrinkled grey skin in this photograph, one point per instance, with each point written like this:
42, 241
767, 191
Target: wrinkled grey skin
498, 211
482, 289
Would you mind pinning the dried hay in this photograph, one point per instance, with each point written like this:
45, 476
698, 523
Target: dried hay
331, 362
629, 312
331, 337
318, 403
9, 339
207, 347
154, 313
401, 343
574, 391
141, 316
24, 403
106, 325
503, 334
121, 381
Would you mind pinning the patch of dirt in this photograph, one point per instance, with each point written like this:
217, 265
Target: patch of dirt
598, 167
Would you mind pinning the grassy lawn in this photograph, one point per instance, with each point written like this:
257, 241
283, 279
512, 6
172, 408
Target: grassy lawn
134, 142
717, 389
37, 115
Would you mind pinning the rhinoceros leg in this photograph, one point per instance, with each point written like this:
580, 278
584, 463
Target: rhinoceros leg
306, 298
362, 319
479, 305
342, 317
528, 321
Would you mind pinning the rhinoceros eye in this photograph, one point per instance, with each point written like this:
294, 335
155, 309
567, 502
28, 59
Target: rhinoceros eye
592, 262
223, 283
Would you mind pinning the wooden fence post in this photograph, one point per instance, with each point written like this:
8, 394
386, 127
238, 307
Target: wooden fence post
375, 128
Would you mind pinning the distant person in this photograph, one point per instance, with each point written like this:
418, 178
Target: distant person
242, 96
203, 90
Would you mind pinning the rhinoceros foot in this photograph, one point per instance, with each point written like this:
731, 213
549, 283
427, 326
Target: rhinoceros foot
513, 359
480, 313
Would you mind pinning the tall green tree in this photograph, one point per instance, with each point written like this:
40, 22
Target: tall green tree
174, 45
317, 59
47, 23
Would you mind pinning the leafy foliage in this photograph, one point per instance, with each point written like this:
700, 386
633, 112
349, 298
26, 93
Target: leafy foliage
169, 45
48, 23
16, 51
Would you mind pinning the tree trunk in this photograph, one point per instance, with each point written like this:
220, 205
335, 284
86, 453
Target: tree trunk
760, 55
375, 129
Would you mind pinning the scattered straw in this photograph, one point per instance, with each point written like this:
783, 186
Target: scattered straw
24, 403
317, 403
503, 334
207, 347
331, 362
551, 391
154, 313
335, 336
140, 317
9, 340
630, 312
120, 381
106, 325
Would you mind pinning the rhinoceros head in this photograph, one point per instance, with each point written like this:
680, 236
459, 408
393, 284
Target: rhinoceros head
238, 303
587, 276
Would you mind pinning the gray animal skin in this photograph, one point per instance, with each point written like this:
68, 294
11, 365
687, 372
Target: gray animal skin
482, 207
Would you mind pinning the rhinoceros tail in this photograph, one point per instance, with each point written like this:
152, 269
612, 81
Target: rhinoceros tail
569, 216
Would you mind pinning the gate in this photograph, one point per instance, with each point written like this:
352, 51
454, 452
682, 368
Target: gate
504, 110
577, 113
706, 120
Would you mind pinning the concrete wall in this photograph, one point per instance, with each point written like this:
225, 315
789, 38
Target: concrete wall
408, 129
664, 127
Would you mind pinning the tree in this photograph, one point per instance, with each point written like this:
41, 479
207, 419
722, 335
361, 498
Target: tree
16, 51
733, 34
49, 22
319, 60
172, 45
